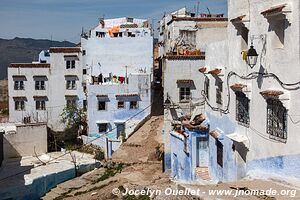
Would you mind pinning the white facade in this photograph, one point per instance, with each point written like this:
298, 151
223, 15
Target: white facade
267, 143
118, 59
183, 41
47, 84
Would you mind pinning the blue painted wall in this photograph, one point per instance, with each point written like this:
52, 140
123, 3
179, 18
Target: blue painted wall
183, 162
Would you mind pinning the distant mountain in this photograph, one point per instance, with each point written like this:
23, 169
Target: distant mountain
24, 50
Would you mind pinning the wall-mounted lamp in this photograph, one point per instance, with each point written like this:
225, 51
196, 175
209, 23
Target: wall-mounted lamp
252, 56
167, 102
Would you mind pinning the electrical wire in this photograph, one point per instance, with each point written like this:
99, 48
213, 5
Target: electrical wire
68, 152
253, 75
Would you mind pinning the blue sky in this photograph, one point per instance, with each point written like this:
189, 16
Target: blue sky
64, 19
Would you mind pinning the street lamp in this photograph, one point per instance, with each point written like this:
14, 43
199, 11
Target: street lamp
252, 56
167, 102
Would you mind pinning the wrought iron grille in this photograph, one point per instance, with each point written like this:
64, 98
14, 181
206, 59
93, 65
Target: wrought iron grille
242, 109
219, 91
206, 87
219, 153
276, 120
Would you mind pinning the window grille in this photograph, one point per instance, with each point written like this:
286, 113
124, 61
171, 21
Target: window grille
276, 120
242, 109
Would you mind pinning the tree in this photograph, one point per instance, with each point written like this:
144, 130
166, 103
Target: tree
75, 119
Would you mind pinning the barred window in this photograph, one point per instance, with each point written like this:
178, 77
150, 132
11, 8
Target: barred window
242, 109
219, 153
206, 87
219, 91
276, 120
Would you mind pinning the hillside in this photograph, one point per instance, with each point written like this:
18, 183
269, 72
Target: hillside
24, 50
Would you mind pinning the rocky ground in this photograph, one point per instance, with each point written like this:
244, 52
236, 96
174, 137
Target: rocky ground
136, 165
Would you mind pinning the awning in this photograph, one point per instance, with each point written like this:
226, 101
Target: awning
120, 121
238, 87
102, 97
71, 77
184, 81
271, 93
40, 98
127, 95
239, 19
275, 10
20, 98
40, 78
19, 77
71, 57
237, 137
102, 122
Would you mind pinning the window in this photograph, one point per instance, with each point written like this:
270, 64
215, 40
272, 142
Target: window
84, 71
219, 152
188, 37
19, 85
133, 105
71, 102
185, 93
39, 85
206, 87
70, 64
219, 90
276, 120
84, 52
40, 105
121, 104
101, 105
71, 85
102, 128
242, 109
100, 34
19, 105
130, 19
85, 104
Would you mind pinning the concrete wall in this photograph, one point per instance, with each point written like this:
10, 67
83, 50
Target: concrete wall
28, 92
57, 87
55, 91
27, 140
113, 54
258, 152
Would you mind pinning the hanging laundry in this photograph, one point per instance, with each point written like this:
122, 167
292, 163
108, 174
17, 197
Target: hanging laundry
114, 29
122, 79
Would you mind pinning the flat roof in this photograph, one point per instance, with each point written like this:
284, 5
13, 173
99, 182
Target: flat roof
29, 65
64, 50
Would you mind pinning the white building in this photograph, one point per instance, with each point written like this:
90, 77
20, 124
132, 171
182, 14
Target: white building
183, 40
254, 118
38, 92
118, 62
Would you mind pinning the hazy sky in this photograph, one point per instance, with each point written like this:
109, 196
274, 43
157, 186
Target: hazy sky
64, 19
